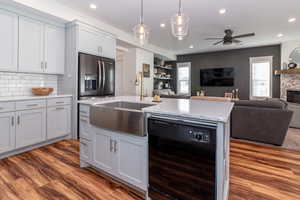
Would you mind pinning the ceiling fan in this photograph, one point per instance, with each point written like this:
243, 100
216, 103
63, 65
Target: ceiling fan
229, 38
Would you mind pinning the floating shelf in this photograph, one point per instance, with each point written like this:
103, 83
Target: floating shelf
287, 71
163, 78
163, 67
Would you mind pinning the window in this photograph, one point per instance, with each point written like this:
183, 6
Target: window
184, 78
261, 77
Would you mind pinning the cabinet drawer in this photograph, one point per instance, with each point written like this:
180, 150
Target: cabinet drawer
85, 150
32, 104
84, 111
84, 129
7, 106
58, 101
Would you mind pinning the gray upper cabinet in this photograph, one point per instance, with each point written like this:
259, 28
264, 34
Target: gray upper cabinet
31, 45
8, 41
94, 42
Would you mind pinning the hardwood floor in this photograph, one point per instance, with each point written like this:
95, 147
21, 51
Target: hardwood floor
53, 172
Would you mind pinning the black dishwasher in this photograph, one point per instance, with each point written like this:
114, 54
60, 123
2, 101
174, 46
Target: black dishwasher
182, 159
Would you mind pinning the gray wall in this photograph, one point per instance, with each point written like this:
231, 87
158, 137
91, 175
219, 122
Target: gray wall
238, 59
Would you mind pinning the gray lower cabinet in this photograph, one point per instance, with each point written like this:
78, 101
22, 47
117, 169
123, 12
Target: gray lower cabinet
120, 155
31, 127
7, 136
58, 121
295, 123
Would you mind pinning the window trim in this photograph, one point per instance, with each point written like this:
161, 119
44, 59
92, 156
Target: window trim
189, 65
260, 60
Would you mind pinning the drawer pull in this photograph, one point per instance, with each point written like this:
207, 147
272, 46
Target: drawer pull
83, 112
13, 121
60, 102
32, 105
18, 120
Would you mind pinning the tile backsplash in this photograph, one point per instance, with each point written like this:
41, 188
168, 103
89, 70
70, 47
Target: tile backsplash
20, 84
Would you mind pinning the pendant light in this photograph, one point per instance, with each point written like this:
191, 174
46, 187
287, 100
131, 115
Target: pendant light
180, 23
141, 31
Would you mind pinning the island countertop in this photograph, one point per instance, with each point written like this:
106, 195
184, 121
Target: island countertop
197, 109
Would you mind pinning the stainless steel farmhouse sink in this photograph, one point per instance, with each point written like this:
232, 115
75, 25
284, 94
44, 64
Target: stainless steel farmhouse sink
122, 116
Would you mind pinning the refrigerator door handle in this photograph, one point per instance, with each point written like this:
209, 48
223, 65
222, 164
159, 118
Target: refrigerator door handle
104, 74
100, 75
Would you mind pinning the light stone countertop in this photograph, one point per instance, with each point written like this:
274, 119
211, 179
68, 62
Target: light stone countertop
24, 98
197, 109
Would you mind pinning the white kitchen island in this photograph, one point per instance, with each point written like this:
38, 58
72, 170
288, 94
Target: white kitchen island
125, 157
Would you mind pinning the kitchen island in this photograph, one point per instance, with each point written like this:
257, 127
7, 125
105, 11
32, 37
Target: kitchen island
191, 136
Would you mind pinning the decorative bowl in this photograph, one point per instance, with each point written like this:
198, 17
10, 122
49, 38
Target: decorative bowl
42, 91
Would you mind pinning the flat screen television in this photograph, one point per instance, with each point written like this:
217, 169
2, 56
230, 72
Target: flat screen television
223, 77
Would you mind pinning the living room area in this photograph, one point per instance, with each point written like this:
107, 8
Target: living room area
263, 81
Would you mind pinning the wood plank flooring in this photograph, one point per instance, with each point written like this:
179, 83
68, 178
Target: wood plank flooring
53, 173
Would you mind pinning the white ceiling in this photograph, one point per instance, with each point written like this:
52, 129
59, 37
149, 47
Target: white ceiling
266, 18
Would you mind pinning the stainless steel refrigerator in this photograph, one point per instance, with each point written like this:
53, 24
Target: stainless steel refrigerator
96, 76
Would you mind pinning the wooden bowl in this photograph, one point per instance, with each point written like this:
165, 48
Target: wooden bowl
42, 91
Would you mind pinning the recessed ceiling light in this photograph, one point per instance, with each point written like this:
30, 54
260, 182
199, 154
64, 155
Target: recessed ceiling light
162, 25
93, 6
293, 19
280, 35
191, 46
222, 11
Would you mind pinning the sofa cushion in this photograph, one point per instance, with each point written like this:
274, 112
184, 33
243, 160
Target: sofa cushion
262, 104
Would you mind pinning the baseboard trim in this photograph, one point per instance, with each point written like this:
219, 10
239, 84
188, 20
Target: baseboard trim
31, 147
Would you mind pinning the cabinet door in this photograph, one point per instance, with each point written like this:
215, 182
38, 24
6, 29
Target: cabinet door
54, 50
132, 161
31, 45
103, 157
58, 121
109, 47
8, 41
31, 127
7, 134
90, 41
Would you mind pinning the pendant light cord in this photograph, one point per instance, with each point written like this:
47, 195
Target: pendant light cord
180, 5
142, 12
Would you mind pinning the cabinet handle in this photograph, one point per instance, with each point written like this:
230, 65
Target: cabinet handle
111, 145
1, 108
18, 120
60, 102
115, 146
13, 121
42, 65
100, 50
46, 65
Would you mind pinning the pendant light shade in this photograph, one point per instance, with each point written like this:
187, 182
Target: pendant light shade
141, 30
180, 23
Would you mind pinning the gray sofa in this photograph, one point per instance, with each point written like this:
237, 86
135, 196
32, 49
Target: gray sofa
261, 121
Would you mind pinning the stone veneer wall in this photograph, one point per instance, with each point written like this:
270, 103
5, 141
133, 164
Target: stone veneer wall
289, 81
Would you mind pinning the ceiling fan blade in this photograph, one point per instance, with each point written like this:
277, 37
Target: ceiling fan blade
213, 38
218, 42
236, 41
244, 35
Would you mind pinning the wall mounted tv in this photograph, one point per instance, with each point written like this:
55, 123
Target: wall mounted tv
223, 77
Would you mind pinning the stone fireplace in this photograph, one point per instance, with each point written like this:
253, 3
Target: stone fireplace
289, 82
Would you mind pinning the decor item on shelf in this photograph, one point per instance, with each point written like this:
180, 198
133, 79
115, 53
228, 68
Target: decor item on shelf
228, 95
180, 23
199, 91
141, 30
42, 91
295, 56
292, 65
156, 98
146, 70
